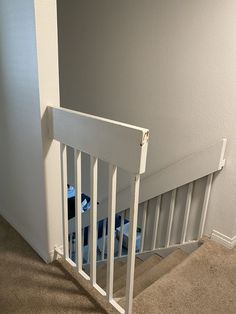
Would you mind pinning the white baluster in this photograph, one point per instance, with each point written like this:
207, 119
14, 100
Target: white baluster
88, 245
132, 242
205, 204
171, 216
186, 213
64, 199
82, 242
78, 218
93, 219
156, 222
71, 246
121, 233
111, 229
143, 228
103, 238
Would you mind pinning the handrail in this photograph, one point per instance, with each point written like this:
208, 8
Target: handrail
186, 170
150, 216
121, 144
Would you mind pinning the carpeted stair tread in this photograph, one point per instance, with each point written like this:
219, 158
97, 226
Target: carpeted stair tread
139, 270
102, 271
152, 274
122, 270
120, 267
102, 267
205, 282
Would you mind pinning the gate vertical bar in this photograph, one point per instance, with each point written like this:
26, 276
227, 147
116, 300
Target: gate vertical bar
78, 217
111, 229
205, 204
104, 227
93, 219
64, 199
132, 242
121, 233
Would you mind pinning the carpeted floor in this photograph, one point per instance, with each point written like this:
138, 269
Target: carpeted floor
204, 283
28, 285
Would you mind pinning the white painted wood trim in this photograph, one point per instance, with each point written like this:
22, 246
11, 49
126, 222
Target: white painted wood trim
59, 251
93, 219
121, 233
205, 205
111, 230
78, 216
100, 290
83, 274
156, 222
171, 216
71, 245
117, 306
186, 213
223, 239
143, 227
82, 237
187, 170
88, 253
117, 143
103, 238
46, 35
134, 201
64, 199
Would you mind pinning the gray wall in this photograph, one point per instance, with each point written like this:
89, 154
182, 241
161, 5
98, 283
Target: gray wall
168, 65
22, 195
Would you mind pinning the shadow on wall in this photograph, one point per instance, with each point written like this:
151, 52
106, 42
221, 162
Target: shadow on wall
3, 120
22, 192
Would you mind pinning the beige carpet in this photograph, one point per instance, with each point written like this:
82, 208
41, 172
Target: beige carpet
28, 285
204, 283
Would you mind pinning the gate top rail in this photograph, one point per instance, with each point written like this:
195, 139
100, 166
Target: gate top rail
117, 143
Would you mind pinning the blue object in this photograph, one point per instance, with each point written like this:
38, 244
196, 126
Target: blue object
85, 200
70, 191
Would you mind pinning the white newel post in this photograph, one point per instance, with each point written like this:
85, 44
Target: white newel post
47, 57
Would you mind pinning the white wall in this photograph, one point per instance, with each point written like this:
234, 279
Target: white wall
23, 154
168, 65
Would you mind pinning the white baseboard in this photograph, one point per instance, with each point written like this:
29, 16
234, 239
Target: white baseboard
223, 239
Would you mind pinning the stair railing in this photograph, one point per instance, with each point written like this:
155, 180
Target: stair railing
121, 145
187, 174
